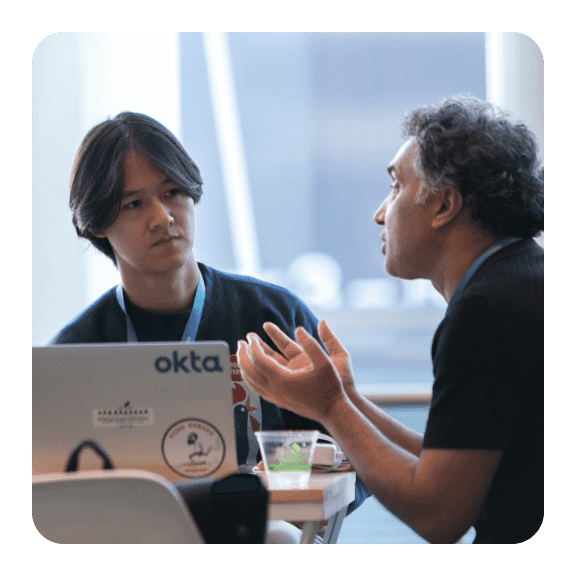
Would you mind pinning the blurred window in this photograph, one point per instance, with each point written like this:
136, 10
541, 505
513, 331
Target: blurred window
314, 119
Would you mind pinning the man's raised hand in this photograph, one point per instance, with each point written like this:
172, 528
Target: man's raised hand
339, 356
306, 382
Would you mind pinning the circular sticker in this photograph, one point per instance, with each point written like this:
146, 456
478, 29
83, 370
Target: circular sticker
193, 448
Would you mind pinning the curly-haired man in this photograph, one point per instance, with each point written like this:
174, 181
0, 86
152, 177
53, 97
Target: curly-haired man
465, 204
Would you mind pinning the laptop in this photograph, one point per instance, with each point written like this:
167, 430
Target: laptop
161, 407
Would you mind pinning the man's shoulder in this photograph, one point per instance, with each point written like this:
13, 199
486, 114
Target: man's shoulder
509, 278
521, 260
229, 282
252, 301
508, 290
99, 322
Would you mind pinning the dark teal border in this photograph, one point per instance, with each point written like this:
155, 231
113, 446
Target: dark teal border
25, 27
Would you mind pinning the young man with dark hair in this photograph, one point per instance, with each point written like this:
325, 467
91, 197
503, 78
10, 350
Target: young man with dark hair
134, 192
467, 198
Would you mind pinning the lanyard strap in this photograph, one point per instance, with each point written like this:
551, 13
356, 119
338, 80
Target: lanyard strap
479, 261
191, 326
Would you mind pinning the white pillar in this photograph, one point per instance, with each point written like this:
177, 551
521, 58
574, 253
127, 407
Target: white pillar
515, 80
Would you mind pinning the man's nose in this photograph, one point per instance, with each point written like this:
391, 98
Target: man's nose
160, 215
379, 215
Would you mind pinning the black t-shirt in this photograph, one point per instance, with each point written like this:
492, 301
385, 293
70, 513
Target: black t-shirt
488, 393
155, 327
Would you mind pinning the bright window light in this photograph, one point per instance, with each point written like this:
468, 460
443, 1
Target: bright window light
239, 201
126, 72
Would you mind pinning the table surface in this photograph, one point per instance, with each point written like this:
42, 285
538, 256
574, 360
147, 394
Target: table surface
325, 495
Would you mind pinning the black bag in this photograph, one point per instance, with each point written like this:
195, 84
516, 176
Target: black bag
233, 510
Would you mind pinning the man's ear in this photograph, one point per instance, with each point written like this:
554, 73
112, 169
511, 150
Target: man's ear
449, 204
99, 235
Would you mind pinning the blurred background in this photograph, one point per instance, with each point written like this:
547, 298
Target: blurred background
292, 133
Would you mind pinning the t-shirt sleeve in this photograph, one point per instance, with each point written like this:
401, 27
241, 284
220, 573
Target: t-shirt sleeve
477, 394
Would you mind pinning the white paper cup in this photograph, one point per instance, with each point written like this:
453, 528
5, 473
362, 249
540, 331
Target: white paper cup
288, 456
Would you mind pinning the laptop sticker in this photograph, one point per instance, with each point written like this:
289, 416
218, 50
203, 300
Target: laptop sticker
193, 448
125, 416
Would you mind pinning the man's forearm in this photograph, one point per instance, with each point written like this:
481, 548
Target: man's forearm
396, 432
438, 493
386, 468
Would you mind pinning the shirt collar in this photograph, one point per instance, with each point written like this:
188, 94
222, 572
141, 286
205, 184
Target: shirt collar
477, 263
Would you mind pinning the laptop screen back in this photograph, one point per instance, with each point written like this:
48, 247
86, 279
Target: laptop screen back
162, 407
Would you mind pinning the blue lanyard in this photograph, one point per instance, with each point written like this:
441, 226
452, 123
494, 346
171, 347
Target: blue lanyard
479, 261
193, 322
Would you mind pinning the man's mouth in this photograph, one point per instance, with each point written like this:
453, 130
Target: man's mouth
164, 240
383, 238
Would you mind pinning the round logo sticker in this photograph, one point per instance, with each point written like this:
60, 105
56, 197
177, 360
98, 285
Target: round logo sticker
193, 448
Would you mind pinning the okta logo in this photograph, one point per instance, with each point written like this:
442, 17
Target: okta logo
197, 363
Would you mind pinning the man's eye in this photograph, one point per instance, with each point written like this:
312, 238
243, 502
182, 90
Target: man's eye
174, 192
133, 204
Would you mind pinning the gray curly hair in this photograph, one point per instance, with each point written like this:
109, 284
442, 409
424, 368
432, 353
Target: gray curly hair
492, 160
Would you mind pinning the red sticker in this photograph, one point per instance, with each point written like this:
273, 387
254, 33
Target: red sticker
235, 374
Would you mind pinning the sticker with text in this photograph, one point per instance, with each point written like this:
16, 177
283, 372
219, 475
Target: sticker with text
125, 416
193, 448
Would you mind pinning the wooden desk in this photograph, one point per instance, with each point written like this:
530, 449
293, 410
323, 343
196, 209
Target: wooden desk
325, 498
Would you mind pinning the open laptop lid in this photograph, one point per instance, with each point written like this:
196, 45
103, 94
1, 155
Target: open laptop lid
162, 407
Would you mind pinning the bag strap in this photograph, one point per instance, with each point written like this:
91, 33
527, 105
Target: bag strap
72, 465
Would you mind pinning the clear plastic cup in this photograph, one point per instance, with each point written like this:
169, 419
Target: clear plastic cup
288, 456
